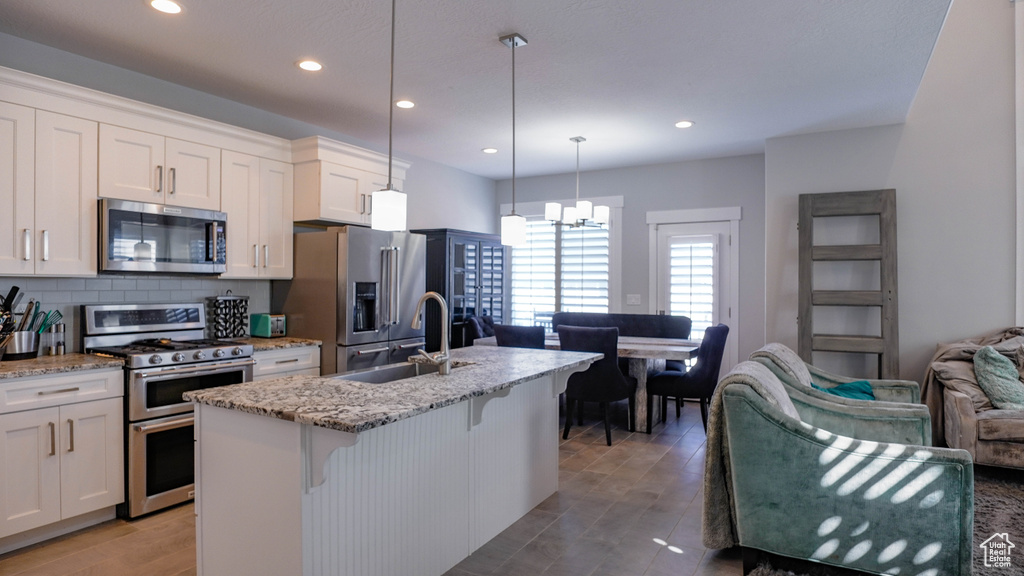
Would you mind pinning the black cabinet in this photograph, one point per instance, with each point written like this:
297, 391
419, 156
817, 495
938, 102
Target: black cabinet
469, 270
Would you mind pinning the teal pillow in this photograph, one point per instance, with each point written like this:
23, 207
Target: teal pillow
858, 390
998, 377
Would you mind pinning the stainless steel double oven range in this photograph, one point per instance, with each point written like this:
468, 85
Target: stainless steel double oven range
165, 355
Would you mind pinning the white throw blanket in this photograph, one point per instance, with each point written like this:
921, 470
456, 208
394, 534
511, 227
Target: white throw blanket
719, 514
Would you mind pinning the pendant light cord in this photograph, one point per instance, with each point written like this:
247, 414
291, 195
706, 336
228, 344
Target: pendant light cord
513, 125
577, 171
391, 95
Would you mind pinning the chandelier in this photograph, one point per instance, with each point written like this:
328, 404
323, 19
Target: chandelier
584, 213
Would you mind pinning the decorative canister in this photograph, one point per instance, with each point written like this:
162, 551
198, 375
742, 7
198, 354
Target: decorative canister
227, 316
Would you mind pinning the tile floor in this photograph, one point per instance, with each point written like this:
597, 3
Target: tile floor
631, 509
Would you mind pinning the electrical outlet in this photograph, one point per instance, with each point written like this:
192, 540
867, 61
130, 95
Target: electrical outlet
632, 299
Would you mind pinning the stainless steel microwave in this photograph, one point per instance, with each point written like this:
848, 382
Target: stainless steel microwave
140, 237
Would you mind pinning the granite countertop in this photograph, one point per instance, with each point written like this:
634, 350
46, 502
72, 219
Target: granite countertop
264, 344
44, 365
352, 406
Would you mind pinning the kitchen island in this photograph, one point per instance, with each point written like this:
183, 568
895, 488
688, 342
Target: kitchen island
318, 475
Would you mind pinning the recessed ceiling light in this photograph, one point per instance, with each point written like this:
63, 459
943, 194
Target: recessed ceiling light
684, 124
490, 150
405, 104
166, 6
310, 65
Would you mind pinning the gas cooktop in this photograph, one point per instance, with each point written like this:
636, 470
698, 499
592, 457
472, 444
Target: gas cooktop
167, 352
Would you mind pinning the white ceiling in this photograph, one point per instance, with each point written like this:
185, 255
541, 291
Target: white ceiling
619, 73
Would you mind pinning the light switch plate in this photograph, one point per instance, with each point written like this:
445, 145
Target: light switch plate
632, 299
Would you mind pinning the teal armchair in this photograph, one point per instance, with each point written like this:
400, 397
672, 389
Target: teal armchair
896, 414
801, 491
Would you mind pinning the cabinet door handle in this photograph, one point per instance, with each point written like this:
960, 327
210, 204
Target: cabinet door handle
288, 361
174, 180
266, 255
53, 439
255, 256
28, 244
369, 209
71, 435
46, 245
159, 178
362, 203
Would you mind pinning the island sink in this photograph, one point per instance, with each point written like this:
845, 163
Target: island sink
389, 372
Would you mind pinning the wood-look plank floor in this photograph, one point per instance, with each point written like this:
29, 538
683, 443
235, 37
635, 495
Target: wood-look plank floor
630, 509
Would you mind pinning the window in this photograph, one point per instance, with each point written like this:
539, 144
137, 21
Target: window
559, 269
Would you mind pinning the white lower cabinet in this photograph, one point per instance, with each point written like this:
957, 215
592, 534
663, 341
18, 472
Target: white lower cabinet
59, 462
301, 361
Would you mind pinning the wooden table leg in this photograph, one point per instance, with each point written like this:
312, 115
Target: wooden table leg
638, 368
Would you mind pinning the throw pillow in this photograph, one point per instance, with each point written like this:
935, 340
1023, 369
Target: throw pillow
858, 390
999, 378
959, 375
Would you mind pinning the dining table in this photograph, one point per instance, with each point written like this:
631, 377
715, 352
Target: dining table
645, 356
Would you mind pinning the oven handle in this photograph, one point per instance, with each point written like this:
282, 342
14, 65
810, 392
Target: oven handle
195, 370
168, 425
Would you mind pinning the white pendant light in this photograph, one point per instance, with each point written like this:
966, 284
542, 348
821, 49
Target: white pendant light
553, 211
388, 206
602, 215
513, 226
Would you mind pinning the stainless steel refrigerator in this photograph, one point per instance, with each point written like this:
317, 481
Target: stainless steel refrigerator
355, 289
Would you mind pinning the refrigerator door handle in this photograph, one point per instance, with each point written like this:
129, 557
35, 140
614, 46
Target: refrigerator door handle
383, 313
396, 286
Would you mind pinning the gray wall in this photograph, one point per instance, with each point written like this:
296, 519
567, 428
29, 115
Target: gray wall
433, 188
715, 183
952, 164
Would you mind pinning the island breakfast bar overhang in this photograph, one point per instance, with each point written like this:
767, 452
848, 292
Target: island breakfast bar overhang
311, 475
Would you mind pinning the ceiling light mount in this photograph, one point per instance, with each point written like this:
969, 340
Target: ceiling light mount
513, 40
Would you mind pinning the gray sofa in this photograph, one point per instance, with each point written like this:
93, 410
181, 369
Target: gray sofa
962, 415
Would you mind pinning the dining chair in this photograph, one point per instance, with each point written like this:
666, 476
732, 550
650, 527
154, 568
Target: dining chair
519, 336
697, 382
603, 382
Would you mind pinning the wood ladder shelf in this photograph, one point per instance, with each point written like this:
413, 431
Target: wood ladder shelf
881, 203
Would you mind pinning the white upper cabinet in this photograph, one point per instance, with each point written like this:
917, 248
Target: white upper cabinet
257, 197
276, 213
334, 182
145, 167
66, 201
17, 188
47, 193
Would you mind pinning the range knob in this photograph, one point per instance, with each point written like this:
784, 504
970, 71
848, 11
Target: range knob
199, 355
178, 357
219, 352
236, 351
155, 359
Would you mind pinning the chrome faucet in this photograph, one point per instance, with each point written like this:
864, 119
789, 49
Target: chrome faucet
442, 358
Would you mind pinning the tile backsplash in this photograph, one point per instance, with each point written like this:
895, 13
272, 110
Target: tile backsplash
68, 294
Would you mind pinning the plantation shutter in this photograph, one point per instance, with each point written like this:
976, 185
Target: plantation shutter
584, 269
692, 280
533, 276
